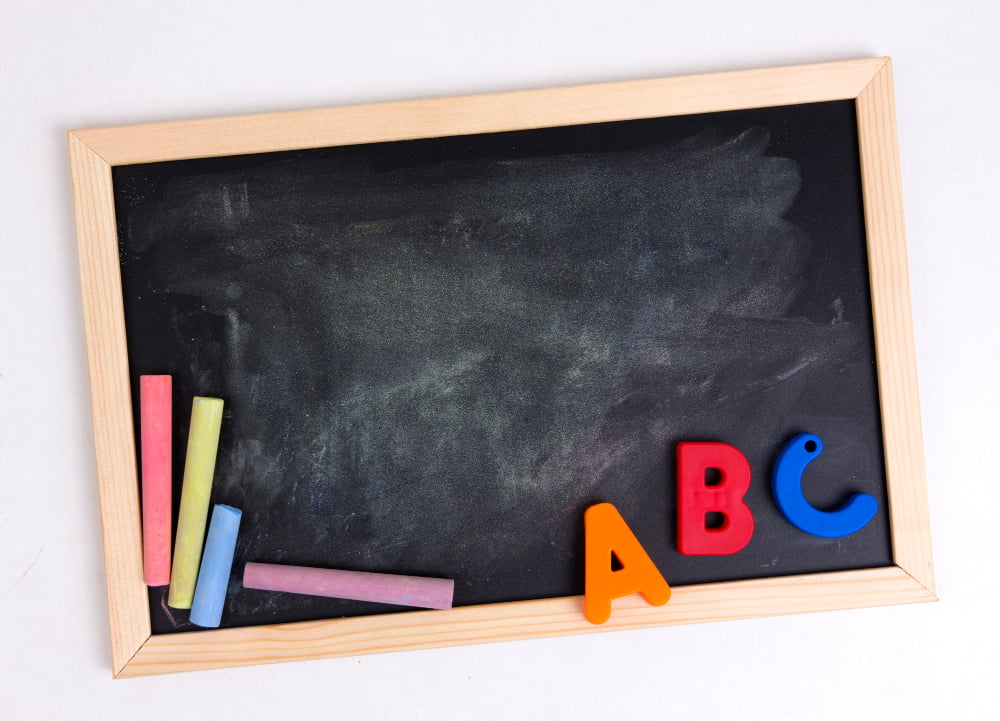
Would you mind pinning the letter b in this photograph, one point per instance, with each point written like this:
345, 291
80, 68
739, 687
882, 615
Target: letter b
696, 499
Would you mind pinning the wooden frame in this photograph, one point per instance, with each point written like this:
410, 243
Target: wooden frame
93, 153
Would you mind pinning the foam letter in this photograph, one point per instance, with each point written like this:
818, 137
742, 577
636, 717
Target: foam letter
786, 485
695, 499
606, 533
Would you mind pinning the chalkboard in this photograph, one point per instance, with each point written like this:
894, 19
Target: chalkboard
436, 352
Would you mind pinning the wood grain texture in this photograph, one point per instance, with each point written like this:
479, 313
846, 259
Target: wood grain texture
520, 620
92, 152
480, 113
104, 323
895, 352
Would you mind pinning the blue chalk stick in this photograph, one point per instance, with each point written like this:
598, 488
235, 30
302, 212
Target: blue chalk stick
216, 564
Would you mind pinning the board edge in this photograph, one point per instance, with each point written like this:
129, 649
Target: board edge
475, 114
521, 620
895, 351
107, 366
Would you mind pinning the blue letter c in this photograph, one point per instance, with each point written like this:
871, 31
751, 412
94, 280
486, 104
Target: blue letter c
787, 488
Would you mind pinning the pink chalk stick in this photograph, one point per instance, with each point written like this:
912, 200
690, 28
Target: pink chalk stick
354, 585
155, 393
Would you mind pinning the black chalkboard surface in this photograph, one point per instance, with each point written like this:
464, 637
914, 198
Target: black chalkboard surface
435, 354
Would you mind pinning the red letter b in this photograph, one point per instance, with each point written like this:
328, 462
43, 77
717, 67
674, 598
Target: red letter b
695, 499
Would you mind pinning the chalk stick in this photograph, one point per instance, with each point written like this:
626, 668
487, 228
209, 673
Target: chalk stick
199, 466
155, 420
216, 565
354, 585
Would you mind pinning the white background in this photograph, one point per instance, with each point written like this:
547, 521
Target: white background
94, 63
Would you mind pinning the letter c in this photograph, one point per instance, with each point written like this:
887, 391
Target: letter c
787, 488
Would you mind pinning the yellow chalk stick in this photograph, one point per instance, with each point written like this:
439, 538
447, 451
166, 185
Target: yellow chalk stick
199, 466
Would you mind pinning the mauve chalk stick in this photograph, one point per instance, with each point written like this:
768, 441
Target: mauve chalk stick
155, 418
353, 585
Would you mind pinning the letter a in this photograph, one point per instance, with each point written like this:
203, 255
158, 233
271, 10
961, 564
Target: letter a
695, 499
606, 533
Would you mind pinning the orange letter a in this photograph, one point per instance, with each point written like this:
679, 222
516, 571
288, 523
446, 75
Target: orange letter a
606, 532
